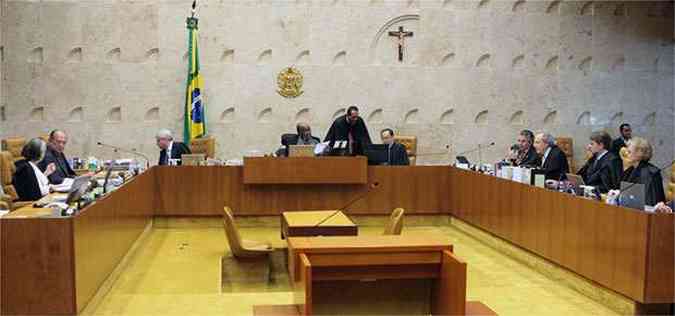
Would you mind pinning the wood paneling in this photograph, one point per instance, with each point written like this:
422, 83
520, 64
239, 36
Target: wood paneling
606, 244
56, 265
114, 222
450, 287
305, 170
661, 261
190, 191
37, 267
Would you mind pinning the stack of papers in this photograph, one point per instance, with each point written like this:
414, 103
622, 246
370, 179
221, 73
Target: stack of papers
64, 186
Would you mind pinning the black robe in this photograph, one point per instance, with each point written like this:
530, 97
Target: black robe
555, 167
63, 169
531, 159
25, 182
617, 144
398, 155
605, 174
650, 176
177, 150
340, 130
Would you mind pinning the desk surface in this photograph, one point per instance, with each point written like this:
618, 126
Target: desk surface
425, 242
312, 218
30, 211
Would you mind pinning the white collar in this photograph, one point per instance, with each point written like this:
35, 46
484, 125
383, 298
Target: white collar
168, 148
601, 154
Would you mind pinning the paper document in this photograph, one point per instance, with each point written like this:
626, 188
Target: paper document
64, 186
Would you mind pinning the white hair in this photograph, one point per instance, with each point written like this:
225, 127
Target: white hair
547, 138
164, 133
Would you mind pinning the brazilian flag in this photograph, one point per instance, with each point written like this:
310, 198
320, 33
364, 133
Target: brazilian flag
195, 118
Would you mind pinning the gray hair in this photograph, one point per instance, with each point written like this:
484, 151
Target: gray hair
547, 138
34, 150
164, 133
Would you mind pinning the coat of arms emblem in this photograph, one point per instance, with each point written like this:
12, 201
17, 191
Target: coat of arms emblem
289, 82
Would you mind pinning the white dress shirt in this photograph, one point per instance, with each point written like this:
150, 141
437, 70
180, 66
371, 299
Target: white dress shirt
543, 160
42, 180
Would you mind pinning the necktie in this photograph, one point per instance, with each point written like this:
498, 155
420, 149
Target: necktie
162, 158
351, 142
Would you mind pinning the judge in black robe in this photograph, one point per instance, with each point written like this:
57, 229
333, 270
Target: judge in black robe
553, 160
350, 128
649, 175
169, 149
604, 173
397, 155
604, 169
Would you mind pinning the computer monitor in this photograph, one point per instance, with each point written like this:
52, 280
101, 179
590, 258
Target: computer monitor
463, 160
79, 188
378, 154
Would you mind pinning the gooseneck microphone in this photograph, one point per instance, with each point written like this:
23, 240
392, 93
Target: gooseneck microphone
372, 186
133, 151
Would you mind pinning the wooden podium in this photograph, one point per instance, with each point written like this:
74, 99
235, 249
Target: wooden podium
305, 170
376, 275
317, 223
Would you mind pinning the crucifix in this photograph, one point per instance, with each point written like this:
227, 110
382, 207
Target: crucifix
400, 35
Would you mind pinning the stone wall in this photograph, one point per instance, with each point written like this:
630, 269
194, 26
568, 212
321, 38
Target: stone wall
473, 72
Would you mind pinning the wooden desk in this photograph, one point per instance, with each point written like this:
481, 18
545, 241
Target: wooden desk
54, 266
350, 275
306, 170
625, 250
306, 223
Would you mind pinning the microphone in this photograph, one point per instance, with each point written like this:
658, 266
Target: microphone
618, 197
132, 152
479, 147
371, 187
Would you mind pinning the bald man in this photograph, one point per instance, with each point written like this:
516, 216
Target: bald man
54, 154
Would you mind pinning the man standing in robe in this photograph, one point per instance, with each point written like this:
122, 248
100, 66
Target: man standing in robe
350, 128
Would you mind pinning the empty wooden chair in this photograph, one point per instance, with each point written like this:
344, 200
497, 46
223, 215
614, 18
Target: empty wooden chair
242, 248
204, 145
410, 143
395, 224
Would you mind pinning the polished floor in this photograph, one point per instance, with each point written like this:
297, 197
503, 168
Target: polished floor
177, 271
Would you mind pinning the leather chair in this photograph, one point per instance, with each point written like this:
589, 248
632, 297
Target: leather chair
566, 144
7, 170
204, 145
242, 248
410, 143
395, 224
14, 145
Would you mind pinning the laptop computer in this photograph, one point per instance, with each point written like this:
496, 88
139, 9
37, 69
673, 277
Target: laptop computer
301, 151
632, 195
576, 179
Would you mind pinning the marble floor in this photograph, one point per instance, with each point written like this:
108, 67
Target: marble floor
177, 271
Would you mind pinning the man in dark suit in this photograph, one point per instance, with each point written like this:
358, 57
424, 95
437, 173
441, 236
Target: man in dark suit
525, 155
604, 169
54, 154
626, 134
553, 159
168, 148
350, 128
398, 155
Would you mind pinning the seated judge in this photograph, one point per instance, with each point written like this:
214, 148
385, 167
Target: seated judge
622, 141
54, 155
643, 172
303, 137
603, 170
396, 152
350, 128
526, 155
169, 149
553, 159
29, 181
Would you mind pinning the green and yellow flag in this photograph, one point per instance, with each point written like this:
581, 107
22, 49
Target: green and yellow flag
195, 111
